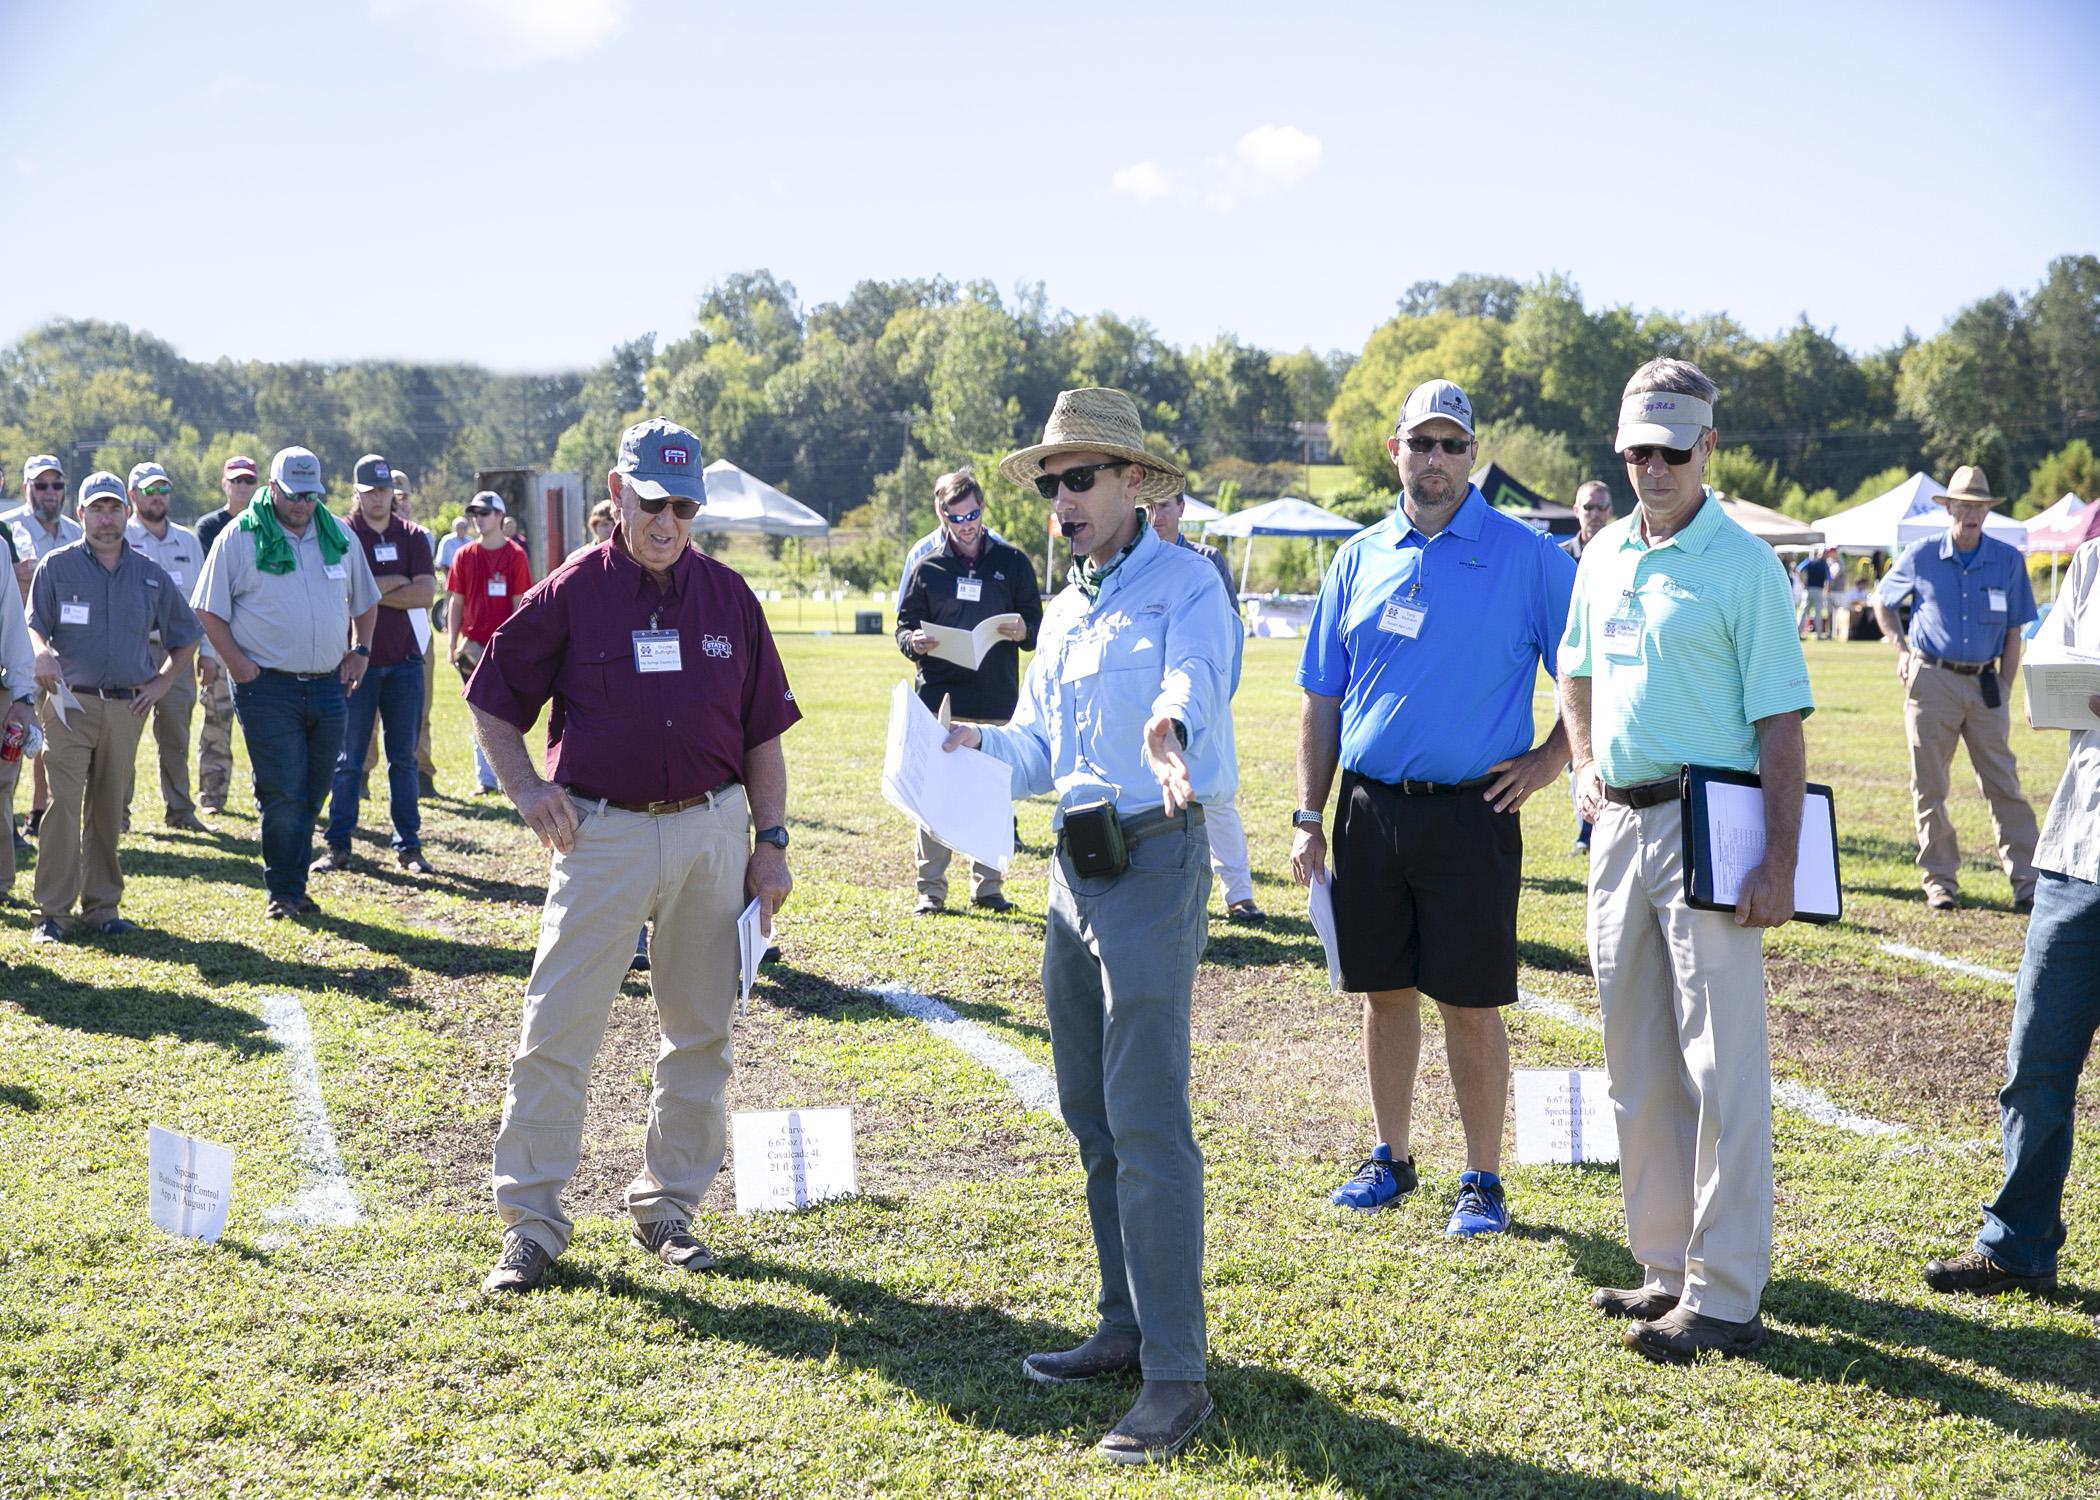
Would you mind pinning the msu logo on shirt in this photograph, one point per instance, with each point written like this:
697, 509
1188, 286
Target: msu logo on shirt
715, 645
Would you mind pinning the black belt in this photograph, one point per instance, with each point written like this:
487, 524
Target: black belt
1146, 825
1647, 794
657, 809
122, 695
1962, 668
297, 676
1435, 788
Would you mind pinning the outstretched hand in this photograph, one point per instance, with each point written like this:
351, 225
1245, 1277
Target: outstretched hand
1168, 764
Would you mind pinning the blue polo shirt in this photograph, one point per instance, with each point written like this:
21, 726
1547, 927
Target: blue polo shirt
1449, 699
1964, 601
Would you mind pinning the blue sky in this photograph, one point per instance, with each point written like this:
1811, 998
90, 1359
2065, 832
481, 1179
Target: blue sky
522, 183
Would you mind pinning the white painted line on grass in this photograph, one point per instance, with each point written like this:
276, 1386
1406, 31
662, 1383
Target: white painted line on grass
1798, 1097
326, 1199
1030, 1081
1942, 961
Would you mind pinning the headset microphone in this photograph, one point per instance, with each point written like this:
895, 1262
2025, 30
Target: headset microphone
1070, 528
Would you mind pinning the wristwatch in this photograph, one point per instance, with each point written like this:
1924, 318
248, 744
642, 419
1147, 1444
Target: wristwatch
1306, 817
364, 651
776, 836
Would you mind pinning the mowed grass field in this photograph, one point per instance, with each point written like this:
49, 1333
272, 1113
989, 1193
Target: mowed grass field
873, 1346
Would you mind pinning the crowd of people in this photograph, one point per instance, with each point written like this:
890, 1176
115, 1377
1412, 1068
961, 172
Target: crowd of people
662, 800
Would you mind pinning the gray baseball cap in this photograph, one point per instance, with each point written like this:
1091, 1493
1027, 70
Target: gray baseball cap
296, 471
42, 464
1436, 398
103, 485
661, 458
147, 473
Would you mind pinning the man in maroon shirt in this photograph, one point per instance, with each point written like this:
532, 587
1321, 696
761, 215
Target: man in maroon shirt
666, 702
490, 575
392, 688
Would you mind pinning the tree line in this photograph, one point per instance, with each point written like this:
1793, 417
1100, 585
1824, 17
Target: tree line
854, 406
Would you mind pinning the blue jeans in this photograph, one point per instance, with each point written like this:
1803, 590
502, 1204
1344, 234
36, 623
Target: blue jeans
1119, 960
294, 731
395, 696
2054, 1017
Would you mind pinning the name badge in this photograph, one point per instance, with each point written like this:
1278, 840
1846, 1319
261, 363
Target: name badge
1622, 638
1402, 619
969, 590
72, 612
335, 570
1997, 598
655, 651
386, 552
1082, 659
175, 577
499, 587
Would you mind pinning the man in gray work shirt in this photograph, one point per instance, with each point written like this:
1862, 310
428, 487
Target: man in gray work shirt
92, 605
284, 591
181, 556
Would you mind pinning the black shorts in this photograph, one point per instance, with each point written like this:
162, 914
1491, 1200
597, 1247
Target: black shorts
1425, 893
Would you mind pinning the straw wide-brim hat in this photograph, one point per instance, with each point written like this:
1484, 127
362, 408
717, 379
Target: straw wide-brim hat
1096, 419
1969, 487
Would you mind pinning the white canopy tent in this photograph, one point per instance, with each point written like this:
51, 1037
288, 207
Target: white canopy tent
2066, 509
1932, 525
1286, 517
1872, 525
736, 502
1195, 513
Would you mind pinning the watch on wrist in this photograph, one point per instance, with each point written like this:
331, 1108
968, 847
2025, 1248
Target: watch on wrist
364, 651
1306, 817
776, 836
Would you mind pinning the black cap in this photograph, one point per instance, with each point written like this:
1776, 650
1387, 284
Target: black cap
372, 473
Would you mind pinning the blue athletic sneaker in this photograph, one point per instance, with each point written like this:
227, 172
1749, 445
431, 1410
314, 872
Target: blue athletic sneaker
1480, 1207
1380, 1183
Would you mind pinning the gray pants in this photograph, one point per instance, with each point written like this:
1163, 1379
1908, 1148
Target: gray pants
1119, 960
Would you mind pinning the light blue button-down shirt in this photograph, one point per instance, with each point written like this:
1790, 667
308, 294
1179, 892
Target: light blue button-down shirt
1963, 602
1453, 698
1160, 639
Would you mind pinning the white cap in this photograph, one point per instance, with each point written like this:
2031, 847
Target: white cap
1664, 419
146, 473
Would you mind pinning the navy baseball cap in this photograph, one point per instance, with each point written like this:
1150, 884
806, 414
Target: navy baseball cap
661, 458
103, 485
372, 473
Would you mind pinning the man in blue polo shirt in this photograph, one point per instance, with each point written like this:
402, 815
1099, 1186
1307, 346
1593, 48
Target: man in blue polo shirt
1970, 597
1418, 672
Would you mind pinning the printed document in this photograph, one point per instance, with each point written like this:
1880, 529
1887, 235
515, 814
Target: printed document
964, 798
966, 648
751, 946
1319, 905
1735, 845
2058, 689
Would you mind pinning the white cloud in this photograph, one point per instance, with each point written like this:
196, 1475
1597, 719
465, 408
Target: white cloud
1282, 154
1142, 180
508, 33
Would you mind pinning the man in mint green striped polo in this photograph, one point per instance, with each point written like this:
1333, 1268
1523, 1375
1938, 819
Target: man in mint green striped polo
1680, 650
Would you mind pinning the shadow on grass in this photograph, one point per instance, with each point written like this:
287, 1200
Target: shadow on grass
964, 1362
136, 1012
1869, 1341
811, 994
16, 1096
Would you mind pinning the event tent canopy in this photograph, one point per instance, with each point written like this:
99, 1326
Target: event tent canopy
1871, 526
1932, 525
1194, 512
2063, 510
1513, 497
1285, 517
736, 502
1773, 527
2068, 536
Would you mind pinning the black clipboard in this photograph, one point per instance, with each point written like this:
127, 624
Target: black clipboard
1818, 804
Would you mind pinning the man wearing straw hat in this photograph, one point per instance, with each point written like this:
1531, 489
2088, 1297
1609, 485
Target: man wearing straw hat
1969, 597
1126, 714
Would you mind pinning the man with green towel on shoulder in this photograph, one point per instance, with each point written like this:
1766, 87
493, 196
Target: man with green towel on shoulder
289, 604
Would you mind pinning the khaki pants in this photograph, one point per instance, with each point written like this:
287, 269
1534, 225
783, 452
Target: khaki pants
10, 773
684, 872
171, 738
1940, 708
1683, 993
933, 856
89, 763
215, 743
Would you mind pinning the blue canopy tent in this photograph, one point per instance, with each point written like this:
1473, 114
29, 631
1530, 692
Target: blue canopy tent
1286, 517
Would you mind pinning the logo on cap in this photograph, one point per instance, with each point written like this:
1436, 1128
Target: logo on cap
676, 456
1656, 403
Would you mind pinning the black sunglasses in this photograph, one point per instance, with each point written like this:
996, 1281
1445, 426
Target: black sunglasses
685, 510
1449, 445
46, 489
1078, 480
479, 510
1645, 451
240, 479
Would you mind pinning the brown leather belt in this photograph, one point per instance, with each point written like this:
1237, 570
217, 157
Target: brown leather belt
1436, 788
121, 695
657, 809
1964, 668
1647, 794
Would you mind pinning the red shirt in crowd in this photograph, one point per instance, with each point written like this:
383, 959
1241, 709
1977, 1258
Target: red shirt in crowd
657, 693
489, 581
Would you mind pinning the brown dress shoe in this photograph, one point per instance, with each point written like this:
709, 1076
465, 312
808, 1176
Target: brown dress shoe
1973, 1271
1644, 1304
671, 1241
334, 857
523, 1265
1680, 1336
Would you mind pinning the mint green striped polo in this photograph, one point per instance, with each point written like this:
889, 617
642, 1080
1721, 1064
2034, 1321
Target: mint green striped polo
1687, 644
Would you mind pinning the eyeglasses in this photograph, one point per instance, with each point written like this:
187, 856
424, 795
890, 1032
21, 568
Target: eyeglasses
961, 520
1449, 445
1599, 506
247, 479
161, 490
1641, 453
684, 509
1078, 480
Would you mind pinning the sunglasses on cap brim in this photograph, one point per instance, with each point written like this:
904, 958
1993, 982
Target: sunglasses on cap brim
1078, 479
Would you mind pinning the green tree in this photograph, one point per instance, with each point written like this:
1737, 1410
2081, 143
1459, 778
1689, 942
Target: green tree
1534, 457
2071, 469
1401, 354
1740, 473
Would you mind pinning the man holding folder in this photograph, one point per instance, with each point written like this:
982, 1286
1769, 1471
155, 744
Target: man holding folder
1680, 650
967, 578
